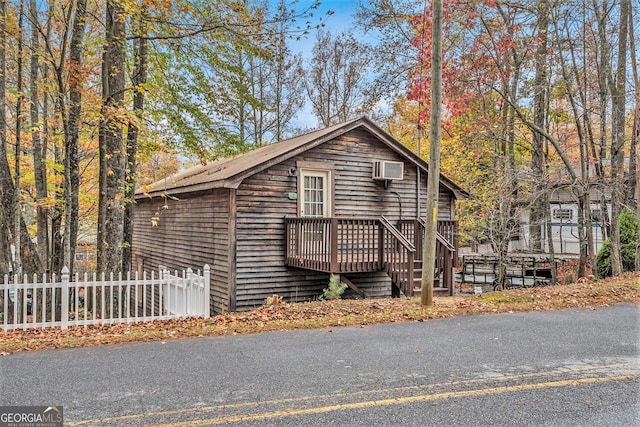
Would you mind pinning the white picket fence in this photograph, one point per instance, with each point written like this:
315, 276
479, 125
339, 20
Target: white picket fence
88, 301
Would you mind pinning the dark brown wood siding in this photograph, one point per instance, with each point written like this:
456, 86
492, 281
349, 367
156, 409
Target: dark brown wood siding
191, 232
262, 201
357, 193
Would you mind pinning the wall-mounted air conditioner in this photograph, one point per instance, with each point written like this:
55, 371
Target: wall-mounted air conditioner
387, 170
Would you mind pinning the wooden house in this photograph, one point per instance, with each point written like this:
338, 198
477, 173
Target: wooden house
564, 211
282, 218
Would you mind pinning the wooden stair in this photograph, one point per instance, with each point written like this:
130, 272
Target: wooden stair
417, 281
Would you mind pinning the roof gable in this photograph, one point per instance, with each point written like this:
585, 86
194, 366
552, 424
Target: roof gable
230, 172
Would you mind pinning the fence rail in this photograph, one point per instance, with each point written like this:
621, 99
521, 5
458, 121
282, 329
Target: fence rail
39, 304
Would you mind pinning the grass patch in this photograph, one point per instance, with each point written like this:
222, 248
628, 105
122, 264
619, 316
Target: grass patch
334, 313
503, 297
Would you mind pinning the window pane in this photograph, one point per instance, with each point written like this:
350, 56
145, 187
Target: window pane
314, 196
563, 214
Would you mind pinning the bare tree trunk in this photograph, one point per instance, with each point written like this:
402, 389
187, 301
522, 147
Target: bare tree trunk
584, 219
57, 247
48, 265
139, 80
72, 172
502, 229
5, 175
110, 210
5, 259
584, 205
539, 118
552, 249
39, 154
590, 152
635, 136
603, 69
17, 235
6, 182
56, 211
617, 142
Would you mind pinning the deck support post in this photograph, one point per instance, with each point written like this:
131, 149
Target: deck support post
334, 245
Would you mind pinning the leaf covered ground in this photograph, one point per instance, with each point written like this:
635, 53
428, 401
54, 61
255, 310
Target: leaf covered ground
328, 314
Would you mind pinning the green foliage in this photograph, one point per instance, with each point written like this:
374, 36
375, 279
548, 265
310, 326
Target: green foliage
603, 259
227, 82
629, 229
335, 289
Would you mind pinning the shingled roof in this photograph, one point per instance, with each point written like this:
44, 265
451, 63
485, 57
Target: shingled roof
230, 172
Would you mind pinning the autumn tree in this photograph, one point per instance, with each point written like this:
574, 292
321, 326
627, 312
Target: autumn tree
57, 74
336, 78
72, 134
539, 204
14, 228
518, 72
39, 151
391, 23
618, 101
275, 82
81, 119
225, 81
112, 156
5, 174
17, 171
138, 82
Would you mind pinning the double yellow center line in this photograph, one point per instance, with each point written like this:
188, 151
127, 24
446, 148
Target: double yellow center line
254, 411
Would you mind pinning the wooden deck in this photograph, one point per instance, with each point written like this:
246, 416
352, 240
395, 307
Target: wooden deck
360, 245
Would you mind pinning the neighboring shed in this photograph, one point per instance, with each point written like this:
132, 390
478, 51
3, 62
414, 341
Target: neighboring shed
281, 218
564, 212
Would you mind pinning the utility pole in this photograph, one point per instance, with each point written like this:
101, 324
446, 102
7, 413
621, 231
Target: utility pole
433, 178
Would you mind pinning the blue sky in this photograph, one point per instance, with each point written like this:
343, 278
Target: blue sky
343, 13
342, 19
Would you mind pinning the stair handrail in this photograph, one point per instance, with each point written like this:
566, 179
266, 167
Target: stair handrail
397, 234
439, 236
445, 242
398, 264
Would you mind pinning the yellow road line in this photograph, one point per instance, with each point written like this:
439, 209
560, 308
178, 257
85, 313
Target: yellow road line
98, 421
396, 401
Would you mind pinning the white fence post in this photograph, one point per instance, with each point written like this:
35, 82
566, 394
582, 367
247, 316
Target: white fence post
207, 295
25, 300
165, 303
5, 299
16, 301
188, 293
64, 303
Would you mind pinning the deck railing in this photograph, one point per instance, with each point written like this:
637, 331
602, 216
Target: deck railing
344, 245
413, 230
448, 229
446, 246
447, 234
347, 245
334, 245
398, 254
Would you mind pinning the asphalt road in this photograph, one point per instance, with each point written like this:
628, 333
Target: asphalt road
563, 368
